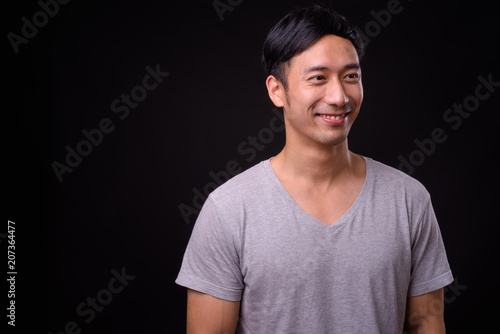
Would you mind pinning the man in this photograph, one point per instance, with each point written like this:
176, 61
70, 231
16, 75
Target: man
316, 239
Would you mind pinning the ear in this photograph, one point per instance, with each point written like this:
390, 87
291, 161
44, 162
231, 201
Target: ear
276, 91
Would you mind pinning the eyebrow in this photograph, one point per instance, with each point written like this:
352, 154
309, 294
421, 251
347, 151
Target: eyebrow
322, 68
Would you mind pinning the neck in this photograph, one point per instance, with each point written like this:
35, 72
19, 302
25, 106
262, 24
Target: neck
316, 166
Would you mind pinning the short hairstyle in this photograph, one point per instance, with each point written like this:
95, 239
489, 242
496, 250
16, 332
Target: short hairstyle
297, 31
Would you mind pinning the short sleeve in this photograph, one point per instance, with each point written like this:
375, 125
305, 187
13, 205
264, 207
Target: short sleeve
429, 264
211, 260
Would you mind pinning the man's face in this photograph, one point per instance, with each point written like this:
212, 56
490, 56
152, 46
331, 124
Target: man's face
324, 92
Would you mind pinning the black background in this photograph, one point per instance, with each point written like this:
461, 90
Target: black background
119, 207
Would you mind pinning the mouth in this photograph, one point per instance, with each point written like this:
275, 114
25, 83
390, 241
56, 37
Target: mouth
333, 117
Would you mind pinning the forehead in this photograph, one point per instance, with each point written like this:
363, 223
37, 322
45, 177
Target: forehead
329, 51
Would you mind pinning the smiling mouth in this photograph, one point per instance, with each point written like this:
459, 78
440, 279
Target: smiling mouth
333, 117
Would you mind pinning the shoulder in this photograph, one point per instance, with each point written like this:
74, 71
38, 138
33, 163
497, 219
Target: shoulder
250, 184
392, 180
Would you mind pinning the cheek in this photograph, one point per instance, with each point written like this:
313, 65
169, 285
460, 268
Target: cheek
361, 93
356, 95
303, 99
312, 96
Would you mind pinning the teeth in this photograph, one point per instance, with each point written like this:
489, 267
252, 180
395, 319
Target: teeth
334, 117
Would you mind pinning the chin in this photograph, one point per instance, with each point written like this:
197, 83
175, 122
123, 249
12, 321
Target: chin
331, 140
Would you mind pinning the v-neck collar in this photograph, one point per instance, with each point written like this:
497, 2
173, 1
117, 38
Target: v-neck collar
307, 217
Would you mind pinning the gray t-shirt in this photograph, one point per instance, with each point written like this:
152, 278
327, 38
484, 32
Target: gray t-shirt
295, 274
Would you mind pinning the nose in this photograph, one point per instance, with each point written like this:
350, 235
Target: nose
335, 94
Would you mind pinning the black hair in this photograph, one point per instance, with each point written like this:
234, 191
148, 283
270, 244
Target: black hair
297, 31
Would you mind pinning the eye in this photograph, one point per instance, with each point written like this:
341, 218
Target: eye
352, 77
318, 78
